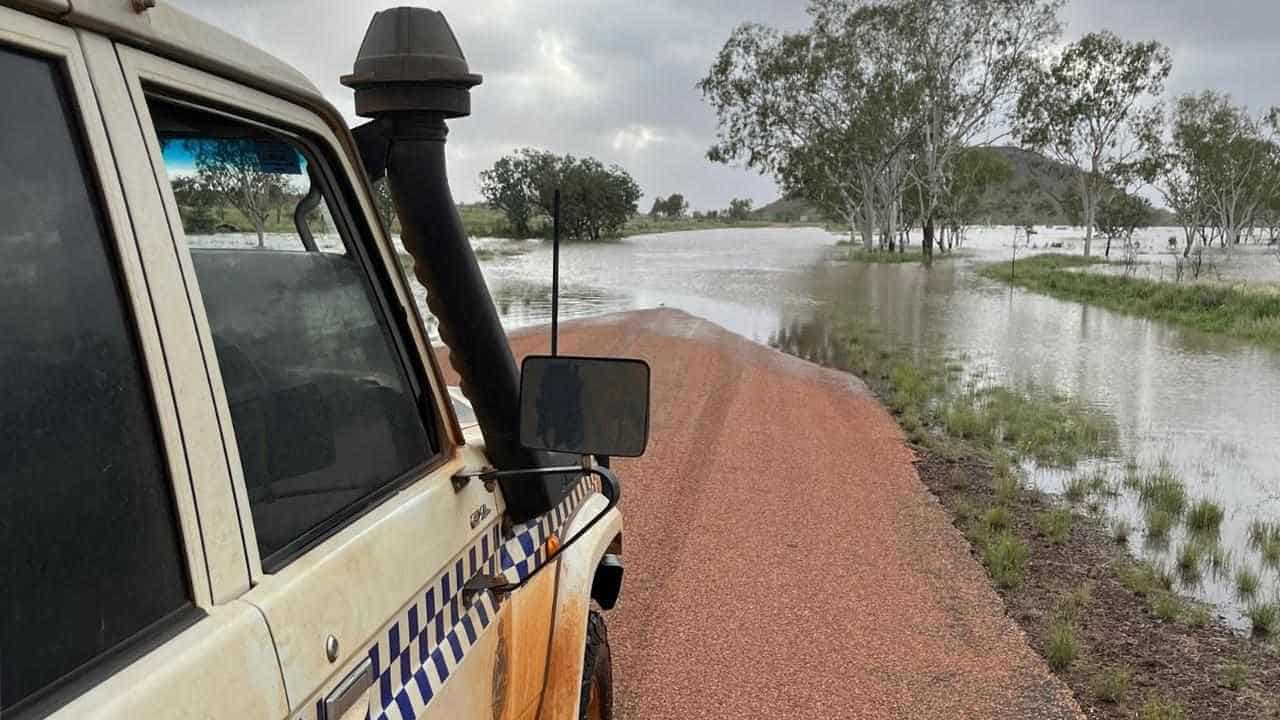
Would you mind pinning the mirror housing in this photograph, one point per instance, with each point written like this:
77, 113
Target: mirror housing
584, 405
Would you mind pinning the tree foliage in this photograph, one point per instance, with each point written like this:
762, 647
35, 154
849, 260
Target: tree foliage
739, 209
595, 200
868, 109
1081, 109
673, 206
1216, 166
1120, 215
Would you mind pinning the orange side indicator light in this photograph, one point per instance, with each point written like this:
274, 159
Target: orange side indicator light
552, 545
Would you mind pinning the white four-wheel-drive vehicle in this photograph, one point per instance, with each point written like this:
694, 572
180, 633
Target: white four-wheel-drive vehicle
233, 483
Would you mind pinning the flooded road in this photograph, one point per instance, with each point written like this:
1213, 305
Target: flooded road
1206, 405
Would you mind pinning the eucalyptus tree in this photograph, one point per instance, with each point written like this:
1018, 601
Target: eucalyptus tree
1082, 107
1239, 166
1215, 165
821, 110
970, 58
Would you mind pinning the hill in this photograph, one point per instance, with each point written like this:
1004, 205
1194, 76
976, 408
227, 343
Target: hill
1034, 193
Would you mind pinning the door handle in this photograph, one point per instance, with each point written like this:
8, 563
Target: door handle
339, 702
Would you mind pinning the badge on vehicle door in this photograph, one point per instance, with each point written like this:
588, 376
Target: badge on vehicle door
479, 515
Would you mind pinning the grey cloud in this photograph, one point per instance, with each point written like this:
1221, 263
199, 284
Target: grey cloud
615, 78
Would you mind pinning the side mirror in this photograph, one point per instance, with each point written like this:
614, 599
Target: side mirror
584, 405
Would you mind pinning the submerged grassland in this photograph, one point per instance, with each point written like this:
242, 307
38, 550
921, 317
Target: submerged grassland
1105, 622
1244, 312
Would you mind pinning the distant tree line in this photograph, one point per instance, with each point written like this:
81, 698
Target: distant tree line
873, 113
595, 200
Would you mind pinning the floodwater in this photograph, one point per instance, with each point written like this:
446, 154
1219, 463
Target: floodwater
1207, 405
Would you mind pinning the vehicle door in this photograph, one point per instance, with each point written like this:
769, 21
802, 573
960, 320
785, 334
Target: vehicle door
107, 606
359, 544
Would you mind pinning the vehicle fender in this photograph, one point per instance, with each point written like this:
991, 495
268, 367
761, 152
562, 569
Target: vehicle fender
575, 574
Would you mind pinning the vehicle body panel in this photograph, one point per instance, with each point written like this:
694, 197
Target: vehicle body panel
259, 648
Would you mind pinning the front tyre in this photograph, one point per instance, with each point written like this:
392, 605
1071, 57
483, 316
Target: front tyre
596, 701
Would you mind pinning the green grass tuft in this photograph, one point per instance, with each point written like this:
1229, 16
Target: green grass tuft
1166, 606
1121, 530
1190, 557
997, 519
1159, 523
1158, 708
1264, 618
1007, 486
1247, 583
1164, 491
1112, 684
1060, 645
1235, 675
1076, 489
1144, 578
1205, 517
1006, 559
1055, 524
1074, 603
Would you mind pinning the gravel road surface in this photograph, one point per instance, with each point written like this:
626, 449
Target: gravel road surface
783, 558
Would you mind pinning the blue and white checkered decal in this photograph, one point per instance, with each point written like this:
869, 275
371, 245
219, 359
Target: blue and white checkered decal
414, 657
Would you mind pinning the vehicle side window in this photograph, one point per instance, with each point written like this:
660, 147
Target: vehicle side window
91, 552
324, 410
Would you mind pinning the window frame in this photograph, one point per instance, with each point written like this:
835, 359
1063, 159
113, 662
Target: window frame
24, 34
150, 76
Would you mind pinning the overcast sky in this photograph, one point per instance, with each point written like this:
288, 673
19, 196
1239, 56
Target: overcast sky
615, 78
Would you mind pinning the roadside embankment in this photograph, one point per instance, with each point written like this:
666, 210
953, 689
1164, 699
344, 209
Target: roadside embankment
783, 558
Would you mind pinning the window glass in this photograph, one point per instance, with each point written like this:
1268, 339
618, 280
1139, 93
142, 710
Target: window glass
323, 409
91, 553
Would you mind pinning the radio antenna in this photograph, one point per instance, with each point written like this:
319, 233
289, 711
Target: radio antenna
555, 273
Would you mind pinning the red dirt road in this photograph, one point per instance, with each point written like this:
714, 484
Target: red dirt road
783, 558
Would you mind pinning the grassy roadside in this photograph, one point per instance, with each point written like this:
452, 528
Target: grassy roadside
1111, 627
1246, 313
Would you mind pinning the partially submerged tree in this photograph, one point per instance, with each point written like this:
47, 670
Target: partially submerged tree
1120, 215
874, 99
1215, 165
971, 57
506, 187
1080, 109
